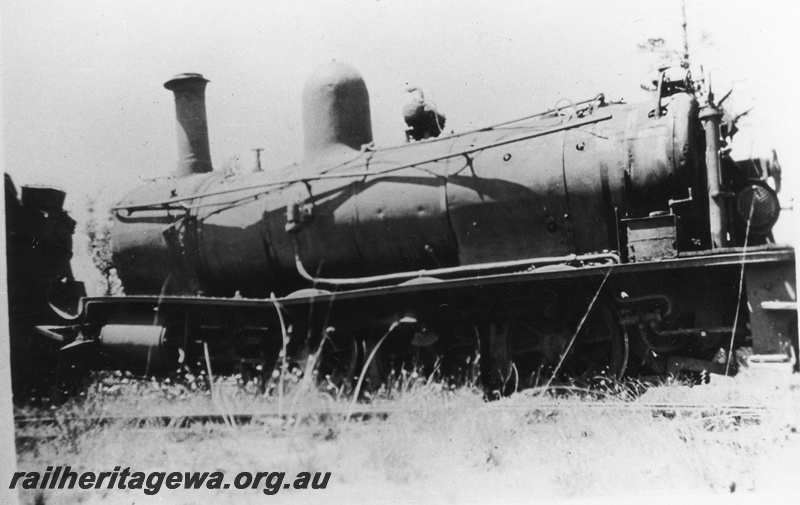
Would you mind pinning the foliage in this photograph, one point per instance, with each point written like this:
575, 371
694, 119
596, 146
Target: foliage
425, 441
98, 232
666, 54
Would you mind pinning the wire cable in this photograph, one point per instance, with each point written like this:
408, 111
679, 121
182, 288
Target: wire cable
741, 286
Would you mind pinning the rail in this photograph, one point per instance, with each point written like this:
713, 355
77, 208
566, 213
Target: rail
365, 413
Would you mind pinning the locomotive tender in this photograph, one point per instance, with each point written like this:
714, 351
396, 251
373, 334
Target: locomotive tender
38, 252
584, 241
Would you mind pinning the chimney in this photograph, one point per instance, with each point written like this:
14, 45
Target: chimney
336, 115
190, 111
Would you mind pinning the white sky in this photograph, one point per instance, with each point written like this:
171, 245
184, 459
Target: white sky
84, 107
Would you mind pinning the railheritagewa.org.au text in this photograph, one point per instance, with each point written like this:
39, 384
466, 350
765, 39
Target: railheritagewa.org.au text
151, 483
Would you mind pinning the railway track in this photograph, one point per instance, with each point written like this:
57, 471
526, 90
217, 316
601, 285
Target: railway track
734, 411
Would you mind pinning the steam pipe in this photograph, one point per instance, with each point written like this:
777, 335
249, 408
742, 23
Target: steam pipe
479, 268
717, 211
190, 111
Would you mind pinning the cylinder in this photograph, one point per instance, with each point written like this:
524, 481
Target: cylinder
137, 348
336, 114
190, 110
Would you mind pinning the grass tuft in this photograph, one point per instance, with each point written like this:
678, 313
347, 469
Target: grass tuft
422, 436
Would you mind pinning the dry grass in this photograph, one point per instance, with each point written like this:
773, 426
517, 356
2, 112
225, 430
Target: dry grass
435, 444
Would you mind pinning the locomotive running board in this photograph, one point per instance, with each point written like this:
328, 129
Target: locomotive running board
765, 255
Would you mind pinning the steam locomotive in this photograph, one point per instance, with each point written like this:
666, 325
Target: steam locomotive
591, 240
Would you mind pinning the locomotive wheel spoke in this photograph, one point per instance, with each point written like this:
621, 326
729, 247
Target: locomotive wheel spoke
536, 343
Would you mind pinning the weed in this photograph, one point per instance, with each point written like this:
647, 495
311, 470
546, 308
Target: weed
422, 435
